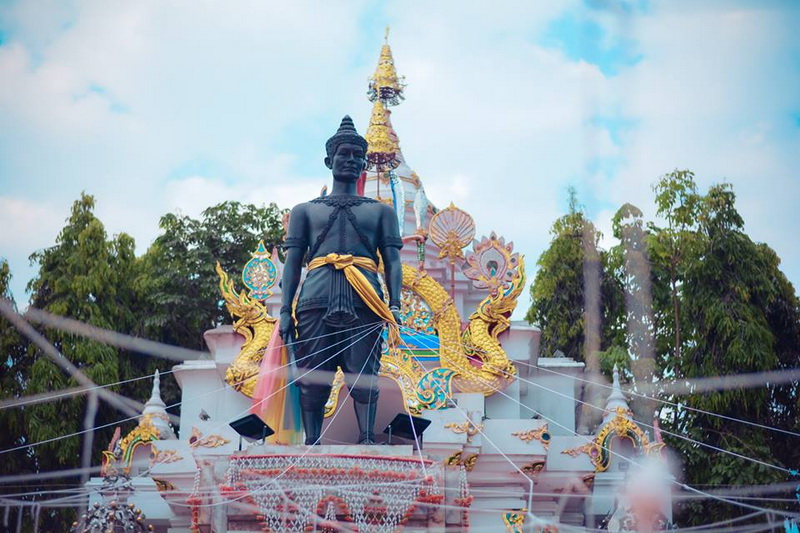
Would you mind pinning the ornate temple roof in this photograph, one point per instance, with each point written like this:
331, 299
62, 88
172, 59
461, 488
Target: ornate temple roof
385, 85
384, 149
385, 90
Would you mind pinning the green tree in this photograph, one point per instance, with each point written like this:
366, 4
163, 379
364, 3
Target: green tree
724, 308
14, 368
701, 299
89, 278
558, 291
178, 280
629, 264
678, 202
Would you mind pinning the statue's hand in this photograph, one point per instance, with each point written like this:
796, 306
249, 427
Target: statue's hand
394, 308
287, 327
397, 318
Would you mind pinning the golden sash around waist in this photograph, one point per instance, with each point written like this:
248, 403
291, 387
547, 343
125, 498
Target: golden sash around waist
350, 265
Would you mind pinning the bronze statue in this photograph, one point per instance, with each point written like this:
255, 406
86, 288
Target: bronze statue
341, 302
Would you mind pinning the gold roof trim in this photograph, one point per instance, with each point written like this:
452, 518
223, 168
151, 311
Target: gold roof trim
385, 84
378, 133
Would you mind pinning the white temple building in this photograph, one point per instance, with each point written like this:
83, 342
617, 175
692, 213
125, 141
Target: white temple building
501, 452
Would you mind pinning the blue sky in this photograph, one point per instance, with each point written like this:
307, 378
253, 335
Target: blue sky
157, 107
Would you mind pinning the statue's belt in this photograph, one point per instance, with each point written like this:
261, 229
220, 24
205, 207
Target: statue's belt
350, 265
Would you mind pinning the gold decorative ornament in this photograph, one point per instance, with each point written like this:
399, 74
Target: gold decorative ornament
382, 147
385, 85
456, 460
453, 460
514, 521
470, 462
482, 366
163, 485
255, 325
260, 273
197, 440
541, 434
533, 469
590, 449
469, 427
416, 313
490, 319
451, 229
159, 457
333, 397
620, 426
144, 433
492, 264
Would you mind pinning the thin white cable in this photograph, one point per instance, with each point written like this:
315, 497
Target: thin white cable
678, 404
710, 446
682, 485
77, 433
293, 381
521, 404
313, 516
74, 391
788, 471
208, 489
376, 325
490, 441
667, 402
80, 391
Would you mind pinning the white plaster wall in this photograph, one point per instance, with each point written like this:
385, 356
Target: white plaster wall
505, 404
553, 394
203, 389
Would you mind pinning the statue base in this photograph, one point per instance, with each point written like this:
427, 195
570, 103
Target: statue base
297, 488
399, 450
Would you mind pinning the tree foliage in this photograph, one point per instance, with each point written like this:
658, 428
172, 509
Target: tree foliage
14, 369
729, 310
90, 278
701, 299
169, 295
558, 292
178, 282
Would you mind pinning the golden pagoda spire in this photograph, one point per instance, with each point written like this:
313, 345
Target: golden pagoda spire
383, 150
385, 85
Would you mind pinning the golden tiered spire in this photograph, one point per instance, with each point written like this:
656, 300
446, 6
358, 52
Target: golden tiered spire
385, 85
383, 147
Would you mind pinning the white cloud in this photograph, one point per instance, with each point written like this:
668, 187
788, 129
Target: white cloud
153, 108
27, 226
714, 94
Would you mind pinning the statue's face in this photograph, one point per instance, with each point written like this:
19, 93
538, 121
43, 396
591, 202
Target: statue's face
348, 162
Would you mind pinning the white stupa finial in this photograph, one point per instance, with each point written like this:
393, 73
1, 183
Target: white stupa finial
156, 394
616, 399
156, 410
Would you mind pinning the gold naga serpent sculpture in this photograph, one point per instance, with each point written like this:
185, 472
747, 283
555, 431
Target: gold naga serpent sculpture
470, 361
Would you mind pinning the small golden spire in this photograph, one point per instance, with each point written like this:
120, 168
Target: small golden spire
383, 150
385, 85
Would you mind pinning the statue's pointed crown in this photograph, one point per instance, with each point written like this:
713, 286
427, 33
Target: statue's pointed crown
346, 133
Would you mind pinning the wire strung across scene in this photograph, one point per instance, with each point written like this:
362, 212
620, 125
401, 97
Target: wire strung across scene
699, 494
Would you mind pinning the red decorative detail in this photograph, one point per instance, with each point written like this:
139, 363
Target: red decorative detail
361, 183
303, 492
